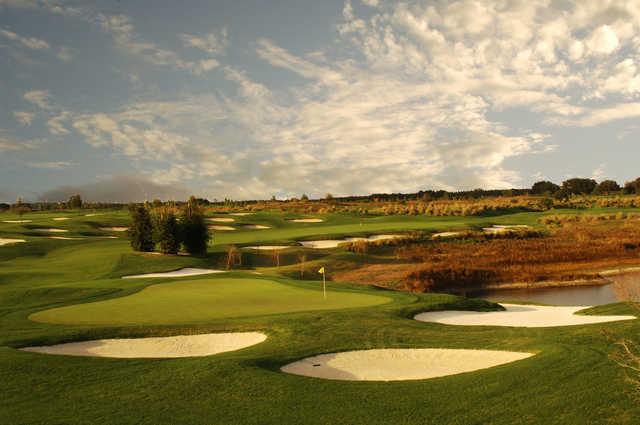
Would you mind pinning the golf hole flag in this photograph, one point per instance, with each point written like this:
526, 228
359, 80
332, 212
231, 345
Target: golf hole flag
324, 282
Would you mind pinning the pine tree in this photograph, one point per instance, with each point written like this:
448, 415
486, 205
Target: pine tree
167, 231
141, 231
195, 233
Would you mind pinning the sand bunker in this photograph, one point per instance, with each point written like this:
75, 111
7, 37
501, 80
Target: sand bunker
255, 226
64, 238
17, 221
502, 228
222, 220
55, 230
163, 347
242, 214
399, 364
4, 241
444, 235
268, 247
175, 273
61, 219
333, 243
114, 229
214, 227
307, 220
526, 316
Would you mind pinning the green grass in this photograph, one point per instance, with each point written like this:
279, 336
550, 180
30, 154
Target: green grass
198, 301
571, 380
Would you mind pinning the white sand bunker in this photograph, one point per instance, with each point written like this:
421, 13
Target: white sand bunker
222, 220
256, 226
399, 364
64, 238
444, 235
242, 214
114, 229
61, 219
214, 227
501, 228
333, 243
188, 271
307, 220
163, 347
268, 247
17, 221
55, 230
526, 316
5, 241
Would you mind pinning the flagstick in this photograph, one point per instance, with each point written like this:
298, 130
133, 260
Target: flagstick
324, 286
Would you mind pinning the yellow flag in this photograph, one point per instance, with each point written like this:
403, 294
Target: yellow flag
321, 271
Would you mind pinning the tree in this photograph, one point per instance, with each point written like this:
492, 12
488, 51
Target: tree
195, 233
606, 187
20, 207
304, 197
74, 202
544, 187
167, 231
141, 231
632, 187
328, 197
579, 186
562, 195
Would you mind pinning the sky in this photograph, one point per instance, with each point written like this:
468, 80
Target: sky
245, 99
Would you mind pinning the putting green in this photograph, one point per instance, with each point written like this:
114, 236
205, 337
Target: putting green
197, 301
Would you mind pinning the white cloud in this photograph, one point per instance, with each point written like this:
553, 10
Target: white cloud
39, 98
23, 117
49, 165
56, 125
603, 40
212, 43
9, 144
32, 43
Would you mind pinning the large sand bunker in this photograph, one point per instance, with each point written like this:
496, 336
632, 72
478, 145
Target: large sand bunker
225, 228
526, 316
222, 220
162, 347
307, 220
187, 271
61, 219
445, 235
500, 228
333, 243
17, 221
64, 238
5, 241
242, 214
55, 230
114, 229
399, 364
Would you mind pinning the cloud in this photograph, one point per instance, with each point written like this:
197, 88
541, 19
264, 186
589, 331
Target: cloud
56, 124
23, 117
39, 98
212, 43
49, 165
603, 40
8, 144
32, 43
119, 189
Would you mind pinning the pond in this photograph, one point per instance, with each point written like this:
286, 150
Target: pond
623, 288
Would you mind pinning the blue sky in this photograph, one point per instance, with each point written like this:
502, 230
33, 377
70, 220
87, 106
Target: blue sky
246, 99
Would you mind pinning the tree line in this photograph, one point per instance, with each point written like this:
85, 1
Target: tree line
168, 228
582, 186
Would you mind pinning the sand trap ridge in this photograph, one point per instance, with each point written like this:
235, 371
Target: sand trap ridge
188, 271
307, 220
216, 227
255, 226
526, 316
399, 364
5, 241
162, 347
333, 243
17, 221
115, 229
268, 247
444, 235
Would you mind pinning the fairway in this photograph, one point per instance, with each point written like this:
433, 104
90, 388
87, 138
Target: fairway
197, 301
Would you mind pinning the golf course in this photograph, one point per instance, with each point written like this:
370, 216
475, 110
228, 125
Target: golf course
262, 343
